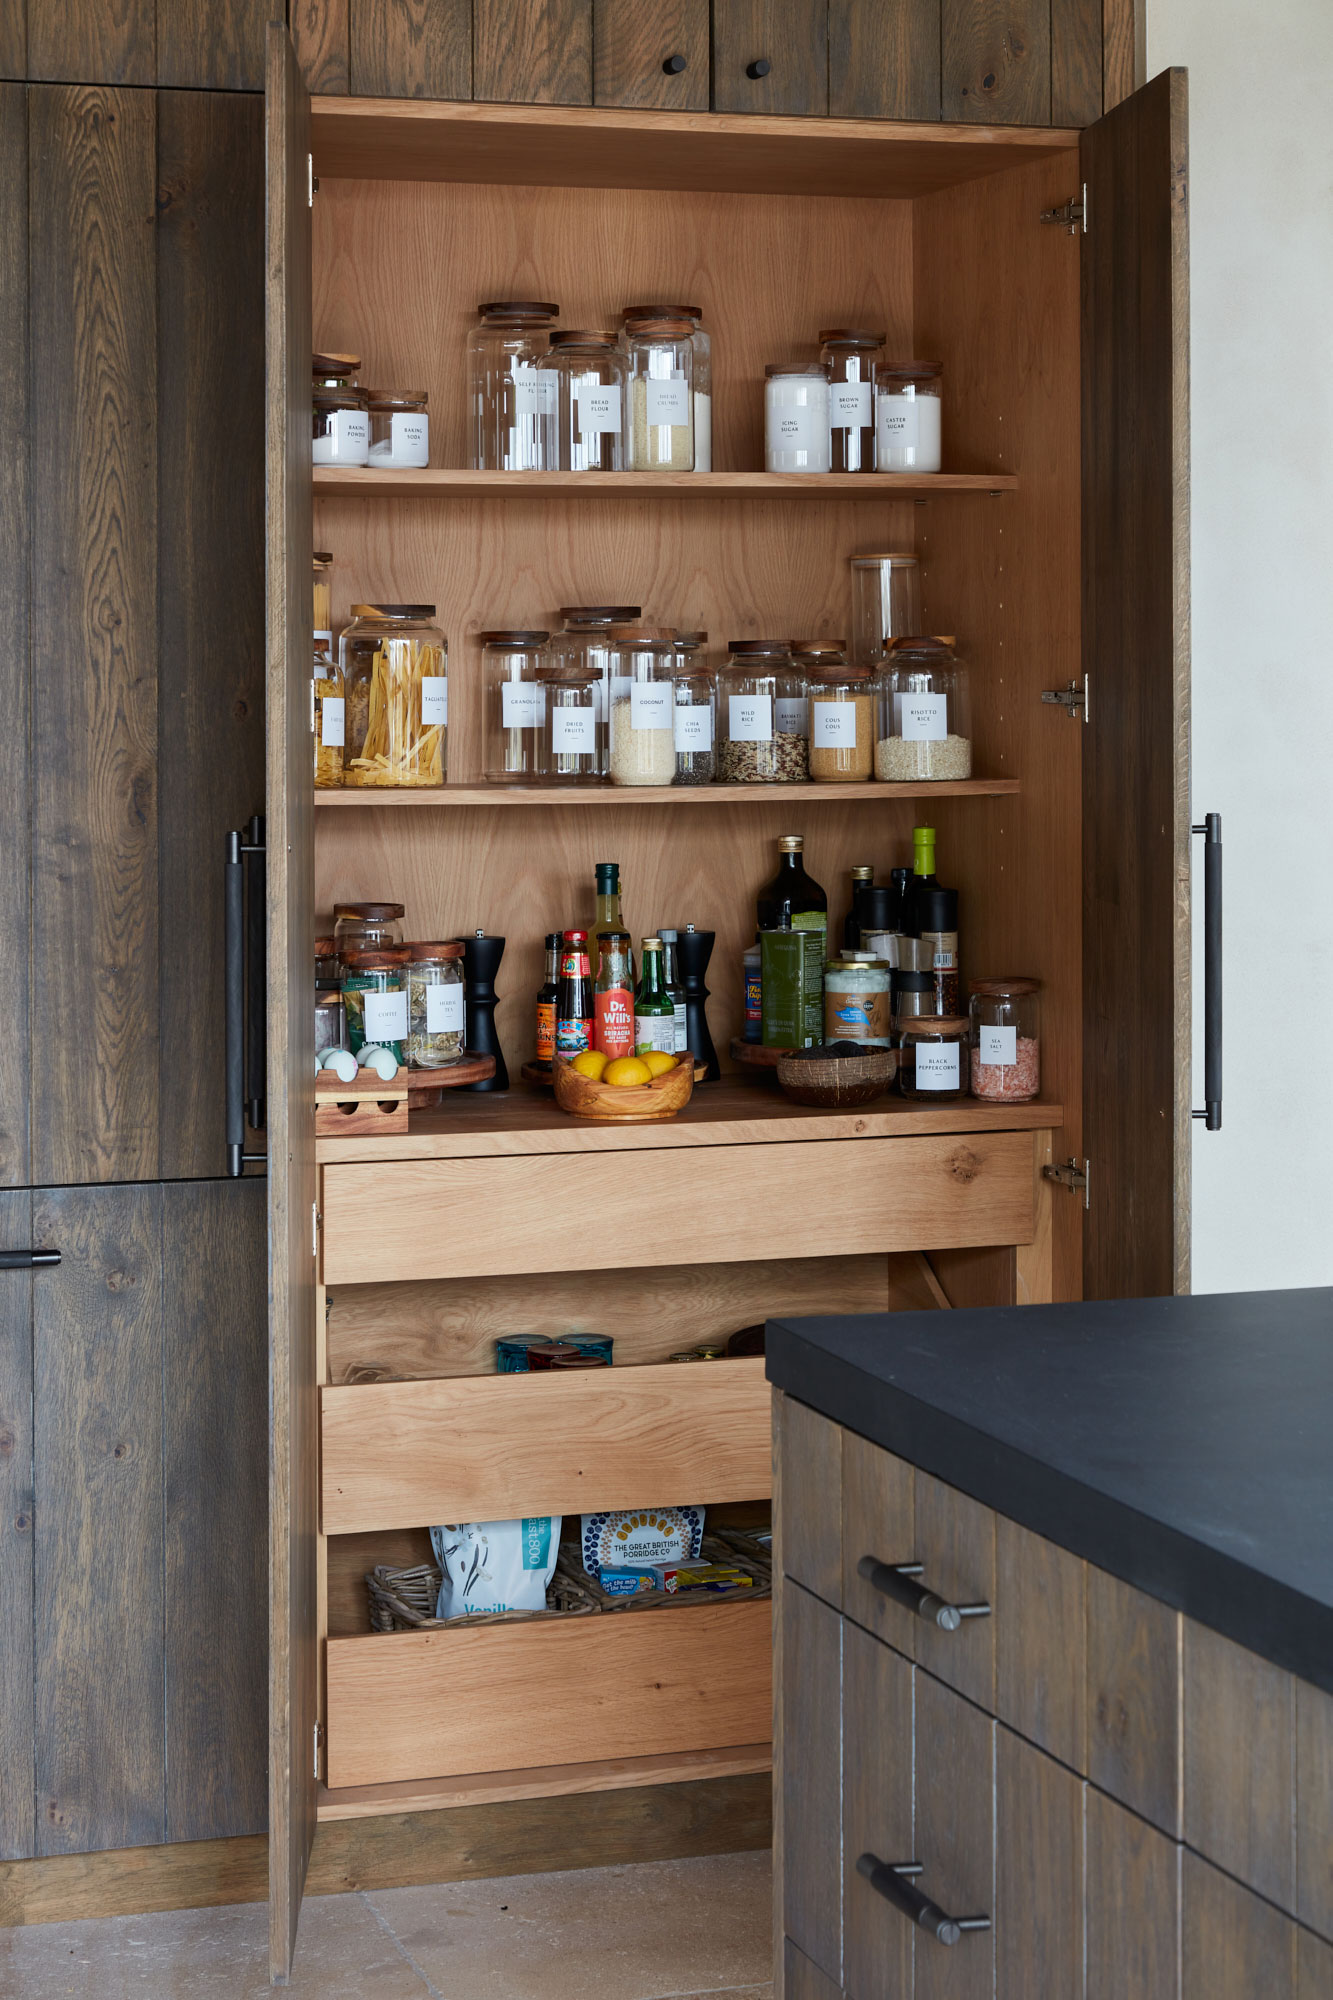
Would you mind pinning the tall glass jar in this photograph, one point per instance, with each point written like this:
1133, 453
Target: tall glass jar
570, 729
330, 709
659, 426
886, 604
515, 705
367, 927
842, 716
796, 417
323, 604
434, 1004
643, 738
512, 407
395, 663
399, 428
762, 715
848, 352
925, 715
695, 712
583, 643
341, 425
1005, 1038
703, 372
907, 415
588, 371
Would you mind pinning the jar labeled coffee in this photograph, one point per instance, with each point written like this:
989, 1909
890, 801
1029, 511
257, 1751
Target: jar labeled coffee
341, 422
399, 428
375, 997
395, 662
1005, 1039
932, 1058
435, 1004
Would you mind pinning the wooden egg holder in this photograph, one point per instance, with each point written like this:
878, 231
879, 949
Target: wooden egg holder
372, 1109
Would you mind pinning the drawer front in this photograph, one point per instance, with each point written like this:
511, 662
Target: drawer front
811, 1780
877, 1811
494, 1447
1235, 1946
808, 1514
1133, 1699
548, 1691
464, 1218
803, 1980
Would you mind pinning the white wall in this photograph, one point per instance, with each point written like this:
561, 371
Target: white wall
1261, 271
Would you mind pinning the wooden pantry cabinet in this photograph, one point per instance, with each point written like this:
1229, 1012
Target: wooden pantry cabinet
1053, 548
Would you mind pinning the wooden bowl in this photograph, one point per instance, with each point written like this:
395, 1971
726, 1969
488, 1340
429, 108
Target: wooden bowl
584, 1097
838, 1083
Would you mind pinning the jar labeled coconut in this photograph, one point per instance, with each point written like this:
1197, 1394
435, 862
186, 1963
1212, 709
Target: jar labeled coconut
375, 997
842, 716
366, 927
856, 1001
660, 429
886, 604
925, 715
796, 417
907, 415
695, 712
399, 428
329, 710
341, 424
512, 405
1005, 1038
434, 1004
848, 352
932, 1058
588, 371
570, 730
583, 642
515, 705
762, 715
395, 664
643, 735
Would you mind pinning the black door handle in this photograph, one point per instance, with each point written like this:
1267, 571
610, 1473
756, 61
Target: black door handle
673, 65
1212, 972
759, 67
27, 1260
893, 1881
243, 905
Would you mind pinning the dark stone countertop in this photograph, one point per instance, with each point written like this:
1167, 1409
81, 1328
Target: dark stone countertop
1185, 1445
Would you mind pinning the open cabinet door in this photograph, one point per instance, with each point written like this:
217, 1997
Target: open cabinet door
293, 1440
1136, 945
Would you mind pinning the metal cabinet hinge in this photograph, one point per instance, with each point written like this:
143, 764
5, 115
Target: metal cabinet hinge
310, 182
1071, 1176
1072, 216
314, 1230
319, 1744
1072, 699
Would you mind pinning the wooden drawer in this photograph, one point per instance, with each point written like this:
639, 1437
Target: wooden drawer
1235, 1946
494, 1447
464, 1218
548, 1691
808, 1512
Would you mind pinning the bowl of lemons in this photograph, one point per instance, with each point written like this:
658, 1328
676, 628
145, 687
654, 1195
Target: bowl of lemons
639, 1087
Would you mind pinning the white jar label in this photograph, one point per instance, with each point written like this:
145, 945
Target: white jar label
795, 427
835, 724
347, 439
574, 731
668, 400
386, 1017
899, 424
331, 722
937, 1065
998, 1046
598, 408
522, 704
434, 701
534, 391
792, 717
444, 1008
409, 437
694, 728
750, 718
650, 704
324, 642
848, 406
925, 718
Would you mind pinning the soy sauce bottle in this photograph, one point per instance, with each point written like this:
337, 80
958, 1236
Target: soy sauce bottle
548, 995
574, 1002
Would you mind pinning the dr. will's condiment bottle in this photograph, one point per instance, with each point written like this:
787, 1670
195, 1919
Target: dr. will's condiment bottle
794, 894
613, 1030
654, 1014
547, 995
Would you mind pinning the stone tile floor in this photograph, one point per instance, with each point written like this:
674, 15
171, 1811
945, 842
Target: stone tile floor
667, 1930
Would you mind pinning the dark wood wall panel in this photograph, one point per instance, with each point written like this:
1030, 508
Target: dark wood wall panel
92, 41
631, 44
996, 61
319, 34
1122, 29
97, 1347
210, 273
211, 44
791, 36
884, 59
13, 42
17, 1826
15, 767
410, 48
1076, 61
93, 467
532, 51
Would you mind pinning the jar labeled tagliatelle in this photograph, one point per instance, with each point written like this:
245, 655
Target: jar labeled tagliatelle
1005, 1039
395, 664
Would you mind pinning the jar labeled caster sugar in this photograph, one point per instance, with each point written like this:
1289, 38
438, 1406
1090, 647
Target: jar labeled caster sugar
907, 416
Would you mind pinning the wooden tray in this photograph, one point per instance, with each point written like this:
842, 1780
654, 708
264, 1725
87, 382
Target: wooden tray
424, 1085
754, 1056
542, 1078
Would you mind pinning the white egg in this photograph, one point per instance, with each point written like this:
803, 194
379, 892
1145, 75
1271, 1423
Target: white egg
385, 1065
343, 1064
368, 1053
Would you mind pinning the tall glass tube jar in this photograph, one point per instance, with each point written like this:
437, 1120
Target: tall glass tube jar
643, 738
842, 716
399, 428
434, 1004
695, 712
512, 411
515, 705
367, 927
703, 371
330, 710
570, 731
395, 662
588, 370
848, 352
659, 428
1005, 1038
907, 415
583, 643
796, 417
925, 715
886, 604
341, 425
762, 715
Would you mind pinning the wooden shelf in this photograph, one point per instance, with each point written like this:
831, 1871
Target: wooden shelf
451, 482
609, 1774
514, 796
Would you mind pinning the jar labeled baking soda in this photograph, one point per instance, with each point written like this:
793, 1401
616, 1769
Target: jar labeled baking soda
1005, 1038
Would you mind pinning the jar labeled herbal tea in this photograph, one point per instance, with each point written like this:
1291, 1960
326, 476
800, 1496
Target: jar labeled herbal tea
399, 428
932, 1058
375, 997
1005, 1038
762, 715
395, 663
842, 716
643, 739
434, 1004
341, 424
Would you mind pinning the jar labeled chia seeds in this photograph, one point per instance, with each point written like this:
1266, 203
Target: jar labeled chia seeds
932, 1058
375, 997
1005, 1039
856, 1002
695, 713
434, 1004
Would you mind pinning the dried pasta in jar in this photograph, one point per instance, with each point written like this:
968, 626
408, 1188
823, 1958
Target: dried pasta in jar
395, 663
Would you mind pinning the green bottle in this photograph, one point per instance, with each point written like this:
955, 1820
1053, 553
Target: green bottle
608, 916
654, 1011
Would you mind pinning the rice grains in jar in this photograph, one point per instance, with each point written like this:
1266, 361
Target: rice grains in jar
925, 715
842, 716
1005, 1038
434, 1004
375, 997
762, 715
932, 1057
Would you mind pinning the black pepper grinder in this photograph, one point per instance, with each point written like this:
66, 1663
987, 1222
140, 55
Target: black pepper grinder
481, 962
693, 951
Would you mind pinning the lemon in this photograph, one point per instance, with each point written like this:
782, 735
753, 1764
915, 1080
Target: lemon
590, 1062
625, 1070
658, 1061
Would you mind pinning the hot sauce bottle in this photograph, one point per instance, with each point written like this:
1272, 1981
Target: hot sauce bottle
547, 996
613, 997
574, 1005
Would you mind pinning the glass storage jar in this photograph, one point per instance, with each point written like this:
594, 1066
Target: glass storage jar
375, 997
925, 715
341, 425
588, 371
886, 604
848, 352
856, 1001
323, 604
1005, 1038
515, 705
761, 712
702, 401
395, 664
907, 415
932, 1058
842, 716
330, 1020
643, 740
583, 643
796, 417
659, 428
330, 709
434, 1004
570, 729
367, 927
399, 428
512, 406
695, 712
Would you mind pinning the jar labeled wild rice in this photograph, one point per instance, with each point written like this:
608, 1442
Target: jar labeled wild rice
434, 1004
762, 715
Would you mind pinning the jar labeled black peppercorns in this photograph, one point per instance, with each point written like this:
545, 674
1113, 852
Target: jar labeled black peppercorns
932, 1058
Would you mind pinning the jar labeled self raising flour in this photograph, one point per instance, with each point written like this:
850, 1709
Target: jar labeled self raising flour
907, 416
796, 417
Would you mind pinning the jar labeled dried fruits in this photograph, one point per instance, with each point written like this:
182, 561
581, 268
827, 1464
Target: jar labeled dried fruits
1005, 1039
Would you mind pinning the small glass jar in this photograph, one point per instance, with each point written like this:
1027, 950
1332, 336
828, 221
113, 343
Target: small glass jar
932, 1058
796, 417
659, 428
703, 371
907, 415
512, 404
515, 705
925, 715
434, 1004
583, 643
571, 727
1005, 1038
399, 428
330, 711
366, 927
848, 352
695, 712
588, 371
323, 604
842, 716
330, 1019
856, 1002
395, 663
643, 738
886, 604
375, 997
341, 424
762, 715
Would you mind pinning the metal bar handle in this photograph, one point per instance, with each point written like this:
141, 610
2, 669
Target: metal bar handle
899, 1581
893, 1881
27, 1260
234, 905
253, 848
1212, 971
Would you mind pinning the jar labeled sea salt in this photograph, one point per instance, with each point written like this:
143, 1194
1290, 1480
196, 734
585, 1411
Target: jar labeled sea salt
1005, 1038
435, 1004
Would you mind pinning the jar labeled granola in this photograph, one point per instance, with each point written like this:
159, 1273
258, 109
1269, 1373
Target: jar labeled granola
434, 1004
762, 715
932, 1058
1005, 1039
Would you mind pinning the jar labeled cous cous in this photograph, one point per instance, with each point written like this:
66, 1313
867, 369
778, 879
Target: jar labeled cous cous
395, 664
842, 716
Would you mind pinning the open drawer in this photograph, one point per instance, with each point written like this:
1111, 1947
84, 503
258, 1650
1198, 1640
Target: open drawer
495, 1447
544, 1691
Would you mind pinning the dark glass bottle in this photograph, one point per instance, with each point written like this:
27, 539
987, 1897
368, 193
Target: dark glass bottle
794, 894
547, 996
574, 1007
933, 917
862, 879
654, 1015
